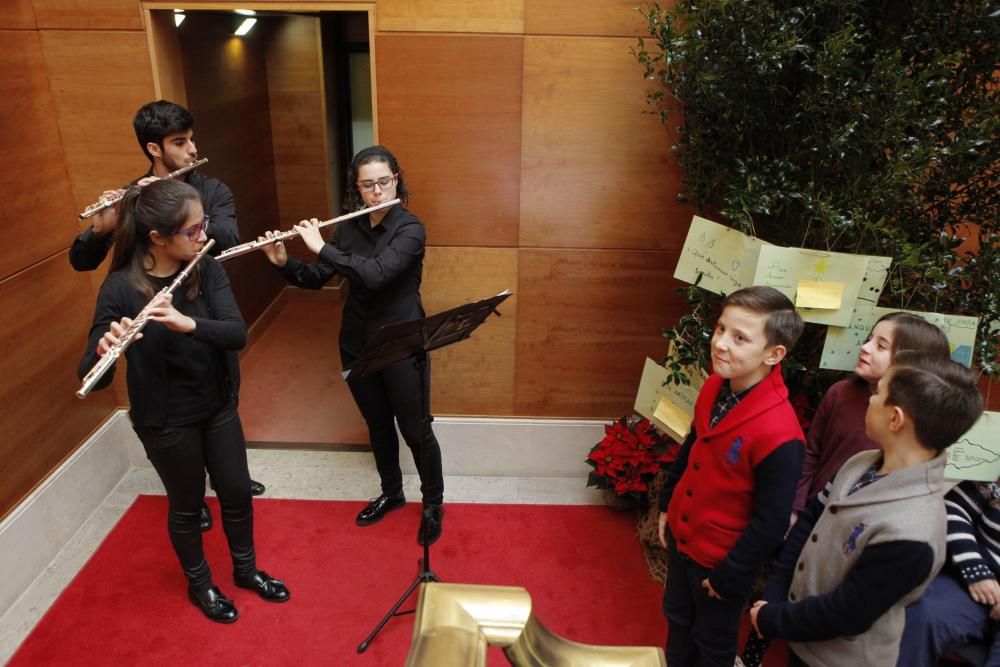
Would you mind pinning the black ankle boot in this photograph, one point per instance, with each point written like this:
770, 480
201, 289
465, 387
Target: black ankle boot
216, 606
430, 524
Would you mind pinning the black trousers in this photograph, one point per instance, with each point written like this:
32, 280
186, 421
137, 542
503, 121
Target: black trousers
702, 631
390, 394
180, 455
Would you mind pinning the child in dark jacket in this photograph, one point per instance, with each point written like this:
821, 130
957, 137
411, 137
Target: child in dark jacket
728, 496
962, 604
873, 540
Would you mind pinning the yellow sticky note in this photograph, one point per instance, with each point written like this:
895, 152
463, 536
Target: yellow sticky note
824, 294
673, 417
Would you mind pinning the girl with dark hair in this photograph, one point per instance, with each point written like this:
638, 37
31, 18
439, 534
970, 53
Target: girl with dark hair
183, 380
381, 255
837, 431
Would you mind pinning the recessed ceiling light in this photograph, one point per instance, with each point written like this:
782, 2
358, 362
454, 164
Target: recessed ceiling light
245, 27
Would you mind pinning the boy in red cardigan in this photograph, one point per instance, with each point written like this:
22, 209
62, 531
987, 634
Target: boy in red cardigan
728, 495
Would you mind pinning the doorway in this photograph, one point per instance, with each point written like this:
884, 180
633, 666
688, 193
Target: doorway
279, 111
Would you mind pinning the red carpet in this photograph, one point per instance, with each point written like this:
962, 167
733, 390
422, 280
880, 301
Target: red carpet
582, 565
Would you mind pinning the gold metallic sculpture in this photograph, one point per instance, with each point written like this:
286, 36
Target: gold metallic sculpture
456, 622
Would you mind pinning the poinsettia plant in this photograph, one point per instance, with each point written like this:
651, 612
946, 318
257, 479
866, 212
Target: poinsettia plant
629, 456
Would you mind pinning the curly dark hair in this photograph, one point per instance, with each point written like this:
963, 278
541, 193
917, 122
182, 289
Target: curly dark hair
352, 197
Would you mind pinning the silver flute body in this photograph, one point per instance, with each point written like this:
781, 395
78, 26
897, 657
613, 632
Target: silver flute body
128, 337
108, 202
244, 248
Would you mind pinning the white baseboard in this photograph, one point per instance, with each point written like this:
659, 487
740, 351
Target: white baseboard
38, 528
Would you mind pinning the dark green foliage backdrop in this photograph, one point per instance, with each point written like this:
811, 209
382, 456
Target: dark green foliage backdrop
846, 125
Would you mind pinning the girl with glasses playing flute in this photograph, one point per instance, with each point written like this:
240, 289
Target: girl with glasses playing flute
381, 255
183, 380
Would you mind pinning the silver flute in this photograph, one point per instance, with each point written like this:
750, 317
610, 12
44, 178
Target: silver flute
108, 202
128, 337
244, 248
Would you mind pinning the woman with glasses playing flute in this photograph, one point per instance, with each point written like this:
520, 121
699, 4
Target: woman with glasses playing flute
183, 380
381, 255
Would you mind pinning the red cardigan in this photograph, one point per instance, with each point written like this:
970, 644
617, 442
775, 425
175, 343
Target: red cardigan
712, 503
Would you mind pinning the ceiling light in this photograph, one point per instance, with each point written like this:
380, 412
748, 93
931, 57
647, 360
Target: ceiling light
245, 12
245, 27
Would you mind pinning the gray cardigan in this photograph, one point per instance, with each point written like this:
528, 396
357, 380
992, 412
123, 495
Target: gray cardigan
906, 505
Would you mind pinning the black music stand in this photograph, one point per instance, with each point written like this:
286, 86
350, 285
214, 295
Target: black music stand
413, 339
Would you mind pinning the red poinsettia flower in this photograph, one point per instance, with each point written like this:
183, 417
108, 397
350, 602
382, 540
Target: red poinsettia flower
631, 481
607, 459
618, 433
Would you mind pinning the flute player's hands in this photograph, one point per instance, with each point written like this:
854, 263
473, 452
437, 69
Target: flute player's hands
113, 336
309, 231
162, 310
105, 221
275, 252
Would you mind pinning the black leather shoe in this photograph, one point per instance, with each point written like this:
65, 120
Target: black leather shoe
433, 520
256, 488
216, 606
205, 520
377, 508
267, 587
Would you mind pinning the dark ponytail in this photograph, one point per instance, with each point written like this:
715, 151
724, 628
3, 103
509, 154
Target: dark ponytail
162, 206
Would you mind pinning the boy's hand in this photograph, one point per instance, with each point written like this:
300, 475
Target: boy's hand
995, 612
661, 529
753, 615
986, 592
708, 587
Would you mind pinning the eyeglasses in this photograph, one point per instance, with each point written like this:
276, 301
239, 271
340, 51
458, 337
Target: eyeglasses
195, 232
382, 183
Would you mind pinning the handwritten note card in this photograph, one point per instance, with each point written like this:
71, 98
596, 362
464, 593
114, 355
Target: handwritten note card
840, 351
725, 258
960, 330
976, 455
668, 405
783, 268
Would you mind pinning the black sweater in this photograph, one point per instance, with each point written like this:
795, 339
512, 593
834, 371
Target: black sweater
175, 378
90, 249
382, 264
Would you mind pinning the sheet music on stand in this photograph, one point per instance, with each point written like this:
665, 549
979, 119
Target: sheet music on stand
397, 342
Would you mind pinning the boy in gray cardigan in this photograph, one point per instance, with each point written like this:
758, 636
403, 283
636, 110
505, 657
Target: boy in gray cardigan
875, 537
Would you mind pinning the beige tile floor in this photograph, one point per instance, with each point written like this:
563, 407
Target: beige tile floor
317, 475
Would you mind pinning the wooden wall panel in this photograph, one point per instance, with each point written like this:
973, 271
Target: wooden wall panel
17, 15
586, 322
489, 16
227, 93
88, 14
37, 207
596, 172
571, 17
98, 80
47, 312
450, 109
474, 376
302, 194
166, 57
298, 119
